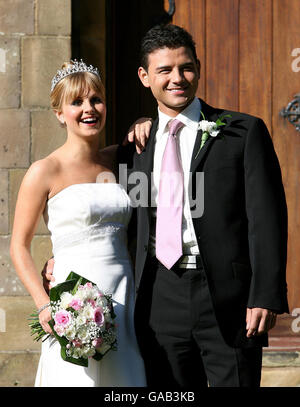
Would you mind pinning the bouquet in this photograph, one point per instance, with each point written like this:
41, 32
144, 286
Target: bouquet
82, 320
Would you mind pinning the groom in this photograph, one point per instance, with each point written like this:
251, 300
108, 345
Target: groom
209, 286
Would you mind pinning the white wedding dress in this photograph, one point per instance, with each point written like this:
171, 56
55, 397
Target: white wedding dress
88, 225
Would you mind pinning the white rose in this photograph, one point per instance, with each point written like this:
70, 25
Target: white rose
77, 353
88, 292
215, 133
88, 352
88, 312
80, 320
205, 125
70, 332
83, 334
102, 301
65, 300
95, 292
81, 294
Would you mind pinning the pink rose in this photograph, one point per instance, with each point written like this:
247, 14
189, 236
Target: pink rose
97, 342
59, 330
92, 302
76, 343
98, 316
76, 304
63, 318
88, 285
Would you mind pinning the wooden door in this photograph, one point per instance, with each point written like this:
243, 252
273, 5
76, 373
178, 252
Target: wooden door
249, 53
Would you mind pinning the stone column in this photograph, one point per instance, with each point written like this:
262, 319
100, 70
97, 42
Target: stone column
35, 39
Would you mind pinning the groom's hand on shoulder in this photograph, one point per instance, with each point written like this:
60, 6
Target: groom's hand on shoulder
139, 133
47, 274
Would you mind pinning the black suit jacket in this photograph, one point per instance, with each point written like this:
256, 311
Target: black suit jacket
242, 234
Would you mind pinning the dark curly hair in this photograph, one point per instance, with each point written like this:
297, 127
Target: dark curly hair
165, 36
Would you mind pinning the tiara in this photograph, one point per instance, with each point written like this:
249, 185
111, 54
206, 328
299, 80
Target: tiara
74, 67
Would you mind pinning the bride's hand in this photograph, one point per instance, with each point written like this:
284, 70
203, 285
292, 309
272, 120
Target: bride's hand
139, 133
45, 317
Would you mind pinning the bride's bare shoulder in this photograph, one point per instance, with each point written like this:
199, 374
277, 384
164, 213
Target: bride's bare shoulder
41, 174
47, 166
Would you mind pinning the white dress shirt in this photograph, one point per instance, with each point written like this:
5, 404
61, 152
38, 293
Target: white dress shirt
190, 117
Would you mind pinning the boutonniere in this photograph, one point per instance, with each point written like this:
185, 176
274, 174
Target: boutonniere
210, 129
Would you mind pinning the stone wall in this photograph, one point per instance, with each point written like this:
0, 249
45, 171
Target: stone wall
35, 38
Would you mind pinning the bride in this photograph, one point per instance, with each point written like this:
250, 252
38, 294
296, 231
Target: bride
87, 214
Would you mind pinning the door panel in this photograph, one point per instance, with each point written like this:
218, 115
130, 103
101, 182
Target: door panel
255, 59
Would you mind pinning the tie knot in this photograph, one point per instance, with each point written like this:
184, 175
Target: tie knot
174, 126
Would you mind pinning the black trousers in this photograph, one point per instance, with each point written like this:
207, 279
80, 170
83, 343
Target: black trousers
179, 336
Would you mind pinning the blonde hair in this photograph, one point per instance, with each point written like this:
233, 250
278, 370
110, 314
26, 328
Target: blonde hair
73, 86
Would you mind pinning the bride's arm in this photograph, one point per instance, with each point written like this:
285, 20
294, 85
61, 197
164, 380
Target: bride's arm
30, 205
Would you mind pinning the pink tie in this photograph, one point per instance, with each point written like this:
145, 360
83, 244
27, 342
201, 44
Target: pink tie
170, 200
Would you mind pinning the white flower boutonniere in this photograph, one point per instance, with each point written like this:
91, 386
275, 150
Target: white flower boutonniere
211, 129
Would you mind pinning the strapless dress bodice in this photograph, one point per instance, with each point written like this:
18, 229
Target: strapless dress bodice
82, 211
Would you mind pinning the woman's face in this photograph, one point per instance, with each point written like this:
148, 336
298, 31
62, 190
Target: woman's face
85, 115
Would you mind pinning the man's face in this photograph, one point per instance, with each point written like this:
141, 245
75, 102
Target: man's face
173, 76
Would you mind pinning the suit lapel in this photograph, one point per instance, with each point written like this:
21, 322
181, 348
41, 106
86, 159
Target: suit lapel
147, 156
145, 163
197, 157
